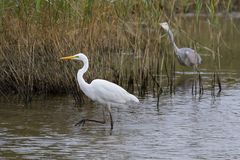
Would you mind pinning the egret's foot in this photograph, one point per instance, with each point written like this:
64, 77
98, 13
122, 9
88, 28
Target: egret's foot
81, 123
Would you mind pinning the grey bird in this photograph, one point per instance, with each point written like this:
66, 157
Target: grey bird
186, 56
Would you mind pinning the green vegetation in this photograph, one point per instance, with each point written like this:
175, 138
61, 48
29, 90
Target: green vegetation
122, 39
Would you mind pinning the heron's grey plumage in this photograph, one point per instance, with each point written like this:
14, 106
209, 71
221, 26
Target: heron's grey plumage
188, 57
185, 56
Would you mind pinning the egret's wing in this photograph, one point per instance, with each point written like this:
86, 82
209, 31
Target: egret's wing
108, 92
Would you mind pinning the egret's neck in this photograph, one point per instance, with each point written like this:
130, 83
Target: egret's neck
82, 83
172, 40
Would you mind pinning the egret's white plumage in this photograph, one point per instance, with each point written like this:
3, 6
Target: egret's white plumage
107, 92
100, 90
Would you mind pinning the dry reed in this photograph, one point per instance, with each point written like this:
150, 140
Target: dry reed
121, 38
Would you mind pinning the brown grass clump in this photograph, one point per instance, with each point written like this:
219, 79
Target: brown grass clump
121, 38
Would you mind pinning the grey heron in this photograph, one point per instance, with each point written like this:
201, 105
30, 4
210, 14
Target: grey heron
186, 56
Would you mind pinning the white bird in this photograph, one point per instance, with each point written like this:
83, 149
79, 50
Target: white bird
101, 91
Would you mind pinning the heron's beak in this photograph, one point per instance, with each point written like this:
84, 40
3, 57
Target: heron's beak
163, 25
68, 57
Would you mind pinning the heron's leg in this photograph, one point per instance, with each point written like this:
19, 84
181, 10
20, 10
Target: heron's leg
200, 81
110, 115
193, 83
194, 86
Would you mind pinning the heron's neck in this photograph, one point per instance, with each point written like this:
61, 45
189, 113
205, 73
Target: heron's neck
172, 41
82, 83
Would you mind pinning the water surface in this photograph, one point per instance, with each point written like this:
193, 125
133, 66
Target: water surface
182, 127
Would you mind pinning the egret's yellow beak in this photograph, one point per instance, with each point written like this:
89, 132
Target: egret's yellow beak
68, 57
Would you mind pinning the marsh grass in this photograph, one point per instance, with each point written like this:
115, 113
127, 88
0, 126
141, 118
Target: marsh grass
122, 39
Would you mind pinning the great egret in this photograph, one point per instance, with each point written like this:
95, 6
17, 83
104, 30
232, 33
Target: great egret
102, 91
185, 56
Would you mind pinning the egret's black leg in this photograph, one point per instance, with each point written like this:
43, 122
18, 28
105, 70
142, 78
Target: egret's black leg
111, 119
110, 115
104, 116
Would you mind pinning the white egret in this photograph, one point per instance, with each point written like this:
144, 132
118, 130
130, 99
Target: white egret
99, 90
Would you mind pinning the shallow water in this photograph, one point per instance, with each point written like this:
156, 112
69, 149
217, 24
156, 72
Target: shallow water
183, 126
